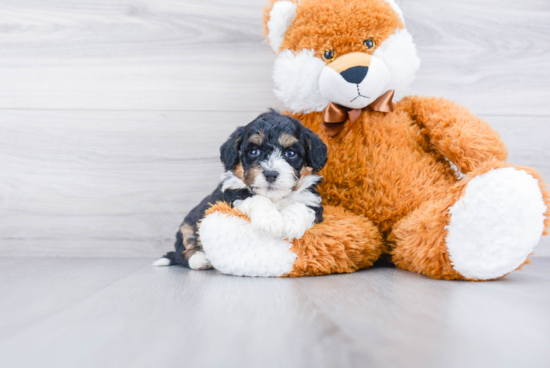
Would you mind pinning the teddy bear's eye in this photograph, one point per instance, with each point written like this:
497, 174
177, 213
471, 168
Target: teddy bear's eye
369, 42
328, 55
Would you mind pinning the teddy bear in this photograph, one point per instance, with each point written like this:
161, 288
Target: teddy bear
420, 180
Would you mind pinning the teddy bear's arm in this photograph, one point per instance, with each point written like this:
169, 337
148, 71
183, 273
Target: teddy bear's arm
455, 132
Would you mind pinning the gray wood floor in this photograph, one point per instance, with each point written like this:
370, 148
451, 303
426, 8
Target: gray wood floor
93, 312
111, 113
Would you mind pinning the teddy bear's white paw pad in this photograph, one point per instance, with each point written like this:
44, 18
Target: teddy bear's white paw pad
198, 261
496, 224
235, 247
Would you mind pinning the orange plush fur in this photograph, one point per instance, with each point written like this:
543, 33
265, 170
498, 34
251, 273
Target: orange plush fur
390, 171
341, 243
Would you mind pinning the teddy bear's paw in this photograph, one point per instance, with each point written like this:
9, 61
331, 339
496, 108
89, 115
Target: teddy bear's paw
198, 261
496, 224
297, 218
234, 247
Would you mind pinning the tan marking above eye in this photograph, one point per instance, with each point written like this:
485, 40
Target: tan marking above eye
287, 140
257, 139
350, 60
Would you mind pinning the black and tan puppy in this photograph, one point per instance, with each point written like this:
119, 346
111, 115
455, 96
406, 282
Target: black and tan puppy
270, 174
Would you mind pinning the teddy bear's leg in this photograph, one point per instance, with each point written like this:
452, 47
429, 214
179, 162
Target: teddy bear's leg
343, 242
486, 227
235, 247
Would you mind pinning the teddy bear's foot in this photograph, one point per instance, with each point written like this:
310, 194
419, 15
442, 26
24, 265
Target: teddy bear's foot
485, 229
235, 247
496, 224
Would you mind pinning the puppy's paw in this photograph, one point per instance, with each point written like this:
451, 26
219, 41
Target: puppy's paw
270, 223
297, 218
198, 261
293, 229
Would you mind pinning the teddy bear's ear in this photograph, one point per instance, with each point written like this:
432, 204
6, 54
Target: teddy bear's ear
278, 17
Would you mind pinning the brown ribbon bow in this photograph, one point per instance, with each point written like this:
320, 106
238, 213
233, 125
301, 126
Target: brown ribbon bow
335, 116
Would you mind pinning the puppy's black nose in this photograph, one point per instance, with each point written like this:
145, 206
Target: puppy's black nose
271, 176
355, 74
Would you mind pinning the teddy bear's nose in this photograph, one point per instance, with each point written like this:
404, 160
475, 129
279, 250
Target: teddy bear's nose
355, 74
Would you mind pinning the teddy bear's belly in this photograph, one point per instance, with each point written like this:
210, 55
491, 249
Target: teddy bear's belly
384, 182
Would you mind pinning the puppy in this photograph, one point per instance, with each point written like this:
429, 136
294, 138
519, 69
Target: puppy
271, 168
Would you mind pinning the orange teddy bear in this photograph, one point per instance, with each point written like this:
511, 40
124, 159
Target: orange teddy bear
422, 180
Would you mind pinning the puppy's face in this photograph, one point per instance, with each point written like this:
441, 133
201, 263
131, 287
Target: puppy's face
272, 154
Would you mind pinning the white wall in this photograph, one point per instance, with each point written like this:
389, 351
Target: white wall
111, 112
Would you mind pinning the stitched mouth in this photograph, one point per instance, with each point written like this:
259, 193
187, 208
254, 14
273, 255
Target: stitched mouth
359, 95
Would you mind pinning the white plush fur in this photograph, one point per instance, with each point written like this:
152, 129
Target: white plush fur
355, 96
234, 247
281, 17
396, 9
296, 79
398, 52
496, 225
161, 262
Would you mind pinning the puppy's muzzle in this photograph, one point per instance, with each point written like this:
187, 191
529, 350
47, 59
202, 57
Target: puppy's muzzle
271, 176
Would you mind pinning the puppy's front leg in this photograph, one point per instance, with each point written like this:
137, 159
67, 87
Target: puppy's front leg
297, 218
263, 214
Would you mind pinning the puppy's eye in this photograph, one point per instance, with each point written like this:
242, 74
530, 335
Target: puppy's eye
369, 42
328, 55
290, 154
254, 152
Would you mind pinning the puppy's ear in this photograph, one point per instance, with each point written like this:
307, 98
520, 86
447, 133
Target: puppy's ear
230, 150
316, 150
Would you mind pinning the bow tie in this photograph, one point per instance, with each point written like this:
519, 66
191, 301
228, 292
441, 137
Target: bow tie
335, 116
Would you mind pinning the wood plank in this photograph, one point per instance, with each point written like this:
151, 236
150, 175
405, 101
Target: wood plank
105, 183
173, 316
118, 183
168, 55
210, 55
36, 288
488, 55
381, 317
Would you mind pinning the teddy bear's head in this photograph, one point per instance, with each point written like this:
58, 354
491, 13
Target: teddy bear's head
349, 52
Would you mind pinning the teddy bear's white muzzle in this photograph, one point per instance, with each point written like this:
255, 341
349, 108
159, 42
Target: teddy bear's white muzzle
355, 87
